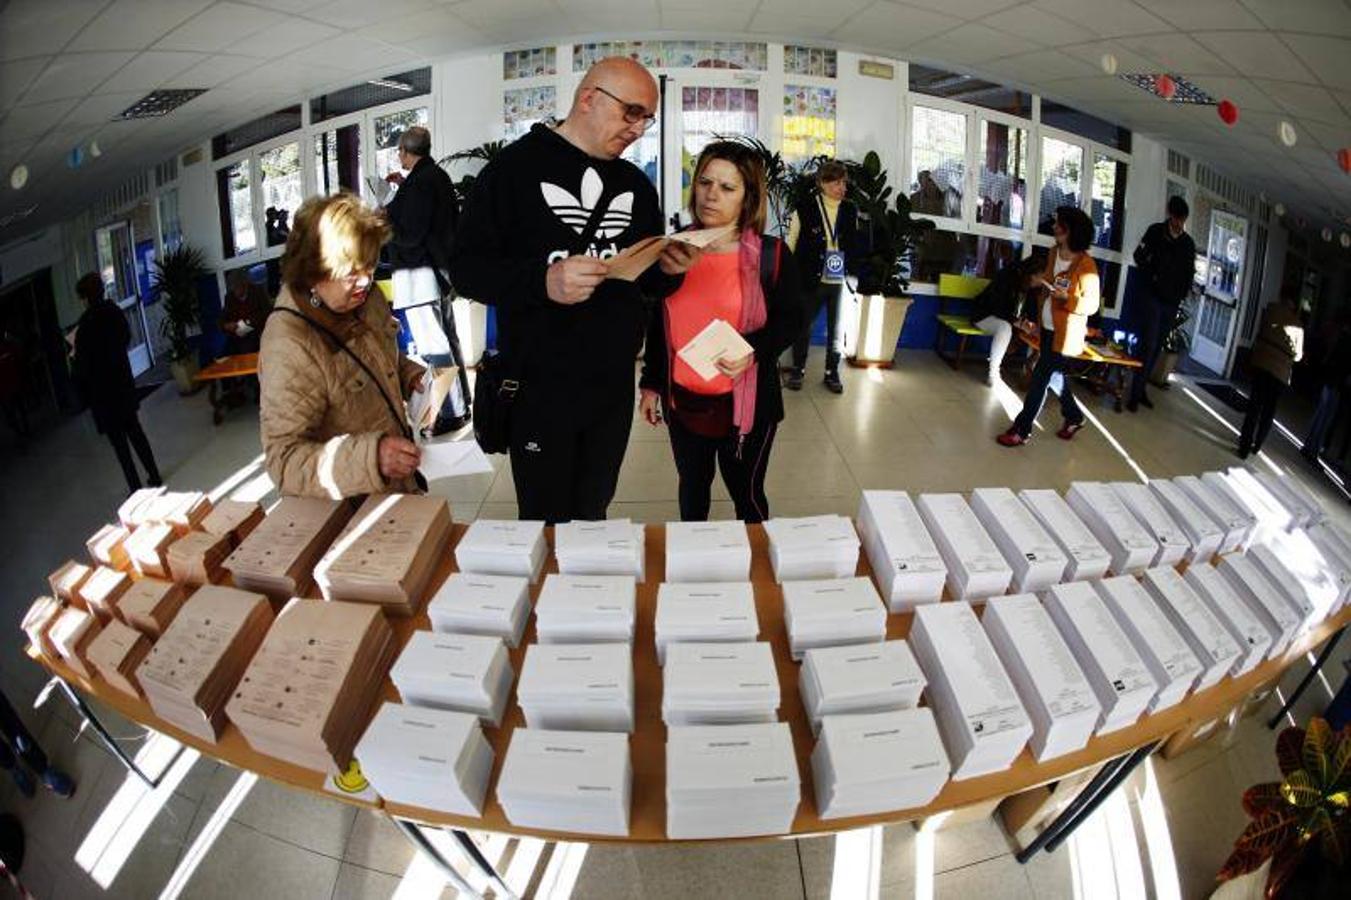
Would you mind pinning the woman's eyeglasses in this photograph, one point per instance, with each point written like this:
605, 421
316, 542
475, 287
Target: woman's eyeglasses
633, 112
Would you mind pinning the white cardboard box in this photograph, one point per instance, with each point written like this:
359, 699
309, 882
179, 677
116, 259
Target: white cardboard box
1262, 598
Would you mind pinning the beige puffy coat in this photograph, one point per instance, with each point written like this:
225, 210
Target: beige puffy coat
321, 419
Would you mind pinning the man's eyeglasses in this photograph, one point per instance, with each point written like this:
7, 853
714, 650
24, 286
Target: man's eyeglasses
633, 112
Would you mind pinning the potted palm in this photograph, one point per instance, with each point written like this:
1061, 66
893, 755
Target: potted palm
174, 282
471, 319
1177, 342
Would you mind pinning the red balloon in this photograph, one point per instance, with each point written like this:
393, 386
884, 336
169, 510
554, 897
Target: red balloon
1344, 159
1228, 112
1166, 86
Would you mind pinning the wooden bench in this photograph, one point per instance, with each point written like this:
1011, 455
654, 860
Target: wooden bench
956, 287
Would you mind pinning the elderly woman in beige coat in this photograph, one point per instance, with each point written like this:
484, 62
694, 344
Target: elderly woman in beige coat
333, 381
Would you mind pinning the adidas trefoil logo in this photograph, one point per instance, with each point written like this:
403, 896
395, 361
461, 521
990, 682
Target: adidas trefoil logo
576, 211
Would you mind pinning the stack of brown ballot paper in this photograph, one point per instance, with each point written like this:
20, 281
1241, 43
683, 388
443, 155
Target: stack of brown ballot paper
234, 519
37, 622
115, 653
194, 666
310, 690
196, 558
134, 509
148, 548
102, 591
66, 581
278, 557
70, 635
387, 553
149, 605
184, 510
106, 546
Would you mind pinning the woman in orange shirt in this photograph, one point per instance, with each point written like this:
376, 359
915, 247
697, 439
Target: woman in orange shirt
1072, 295
749, 281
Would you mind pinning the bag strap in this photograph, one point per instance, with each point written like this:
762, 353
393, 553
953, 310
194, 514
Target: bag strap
769, 272
337, 342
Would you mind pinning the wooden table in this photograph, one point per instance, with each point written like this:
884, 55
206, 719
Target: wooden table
220, 370
1103, 368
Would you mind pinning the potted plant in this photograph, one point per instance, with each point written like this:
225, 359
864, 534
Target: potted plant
471, 319
1301, 825
483, 153
1177, 342
885, 269
174, 282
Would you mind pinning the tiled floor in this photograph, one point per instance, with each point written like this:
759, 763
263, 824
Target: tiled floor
211, 831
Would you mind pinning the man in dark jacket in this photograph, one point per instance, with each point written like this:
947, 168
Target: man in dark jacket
423, 214
543, 216
103, 374
1166, 258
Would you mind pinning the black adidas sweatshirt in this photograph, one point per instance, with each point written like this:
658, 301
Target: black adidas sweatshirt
529, 208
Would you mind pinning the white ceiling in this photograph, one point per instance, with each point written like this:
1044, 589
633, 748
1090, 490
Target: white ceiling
68, 66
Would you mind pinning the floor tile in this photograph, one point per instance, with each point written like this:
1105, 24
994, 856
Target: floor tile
120, 869
356, 883
1000, 877
738, 869
962, 845
375, 843
243, 862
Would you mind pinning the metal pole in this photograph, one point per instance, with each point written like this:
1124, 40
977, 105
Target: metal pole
1303, 685
1122, 773
1082, 799
419, 840
93, 721
481, 862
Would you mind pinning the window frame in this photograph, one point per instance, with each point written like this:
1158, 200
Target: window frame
912, 100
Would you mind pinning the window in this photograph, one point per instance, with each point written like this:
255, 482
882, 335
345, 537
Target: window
1062, 117
279, 177
645, 153
1003, 175
1109, 278
1108, 200
1061, 170
937, 162
710, 111
337, 160
264, 128
376, 92
170, 225
387, 130
523, 107
234, 192
952, 253
1227, 248
808, 122
966, 89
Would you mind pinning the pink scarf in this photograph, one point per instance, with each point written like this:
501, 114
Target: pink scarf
753, 317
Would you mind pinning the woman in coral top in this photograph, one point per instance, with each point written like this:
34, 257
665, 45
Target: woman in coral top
1071, 296
749, 281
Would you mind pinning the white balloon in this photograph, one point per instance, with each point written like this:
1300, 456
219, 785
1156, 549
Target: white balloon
18, 176
1280, 210
1346, 240
1109, 63
1287, 134
1327, 233
95, 151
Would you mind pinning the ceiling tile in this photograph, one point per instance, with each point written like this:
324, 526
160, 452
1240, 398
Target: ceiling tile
796, 27
422, 26
135, 24
966, 9
1179, 54
730, 17
291, 6
218, 27
1261, 53
151, 69
1039, 25
35, 27
1312, 16
886, 26
34, 121
1127, 60
597, 16
1111, 19
101, 107
1328, 57
1304, 100
286, 36
352, 14
969, 44
1195, 14
1246, 95
16, 76
212, 71
74, 75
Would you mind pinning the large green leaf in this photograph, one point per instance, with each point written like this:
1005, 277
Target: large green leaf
1262, 798
1268, 831
1299, 790
1290, 749
1317, 751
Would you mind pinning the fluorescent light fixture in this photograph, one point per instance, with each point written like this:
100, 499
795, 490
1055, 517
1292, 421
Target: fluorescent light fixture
159, 103
391, 84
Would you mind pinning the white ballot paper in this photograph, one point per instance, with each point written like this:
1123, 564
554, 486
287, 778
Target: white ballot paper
577, 687
469, 603
1263, 598
465, 672
812, 547
976, 567
1131, 547
719, 684
727, 781
904, 558
832, 612
503, 547
1221, 487
1243, 625
428, 758
451, 459
1109, 660
1166, 653
1145, 506
243, 328
869, 763
611, 547
1235, 521
859, 678
1288, 584
1188, 613
1336, 558
717, 341
1203, 533
585, 609
567, 781
705, 612
1272, 515
1054, 690
1086, 557
707, 551
1293, 496
1035, 557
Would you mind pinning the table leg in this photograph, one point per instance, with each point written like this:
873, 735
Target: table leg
213, 397
1308, 679
424, 846
94, 722
481, 863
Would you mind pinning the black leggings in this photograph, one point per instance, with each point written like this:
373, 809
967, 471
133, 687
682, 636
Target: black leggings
1266, 394
827, 295
129, 430
696, 458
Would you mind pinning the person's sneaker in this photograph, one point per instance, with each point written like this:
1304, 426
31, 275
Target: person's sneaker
1132, 406
1011, 438
794, 382
1146, 403
833, 383
448, 425
59, 783
23, 781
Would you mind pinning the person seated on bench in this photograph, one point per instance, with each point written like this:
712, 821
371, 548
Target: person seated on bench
1000, 304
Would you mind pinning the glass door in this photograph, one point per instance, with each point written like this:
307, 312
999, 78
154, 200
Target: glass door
117, 268
1226, 250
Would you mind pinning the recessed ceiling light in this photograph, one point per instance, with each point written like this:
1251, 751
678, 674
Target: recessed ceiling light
18, 177
159, 103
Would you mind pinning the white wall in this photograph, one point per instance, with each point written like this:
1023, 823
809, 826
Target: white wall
197, 207
868, 114
21, 258
468, 97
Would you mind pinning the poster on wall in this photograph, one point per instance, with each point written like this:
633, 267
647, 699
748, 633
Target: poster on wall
1227, 249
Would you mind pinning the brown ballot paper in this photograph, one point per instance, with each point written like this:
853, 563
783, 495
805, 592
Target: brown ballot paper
197, 557
70, 635
387, 552
133, 510
184, 510
149, 605
191, 670
278, 557
234, 519
106, 546
102, 590
312, 687
637, 258
148, 548
115, 653
37, 623
66, 581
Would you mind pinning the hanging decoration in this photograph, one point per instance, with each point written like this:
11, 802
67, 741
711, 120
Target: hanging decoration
95, 151
1327, 233
1280, 210
1286, 131
1165, 86
1108, 63
75, 158
1344, 159
18, 177
1346, 240
1228, 112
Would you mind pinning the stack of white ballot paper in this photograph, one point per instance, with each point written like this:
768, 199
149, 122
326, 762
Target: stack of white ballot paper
1054, 690
494, 605
1115, 670
976, 568
857, 679
577, 687
1116, 528
726, 781
1286, 582
869, 763
1235, 521
707, 551
1293, 496
980, 717
1166, 653
1145, 506
832, 612
1210, 641
585, 609
1233, 613
567, 781
429, 758
1263, 598
497, 547
613, 547
1204, 534
466, 672
812, 547
1086, 557
706, 612
904, 558
1219, 486
1270, 512
1035, 557
1336, 555
719, 684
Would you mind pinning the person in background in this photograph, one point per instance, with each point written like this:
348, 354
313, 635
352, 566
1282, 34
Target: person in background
1072, 293
928, 198
243, 313
22, 758
750, 282
1336, 374
333, 381
542, 217
1000, 304
12, 370
423, 213
1279, 344
1166, 258
823, 235
102, 372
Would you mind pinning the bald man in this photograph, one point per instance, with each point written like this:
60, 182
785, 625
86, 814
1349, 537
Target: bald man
542, 216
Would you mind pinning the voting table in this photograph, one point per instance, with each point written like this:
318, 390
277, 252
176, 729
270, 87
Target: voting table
1115, 752
218, 373
1102, 367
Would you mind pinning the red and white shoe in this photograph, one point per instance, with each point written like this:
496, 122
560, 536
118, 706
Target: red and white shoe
1011, 438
